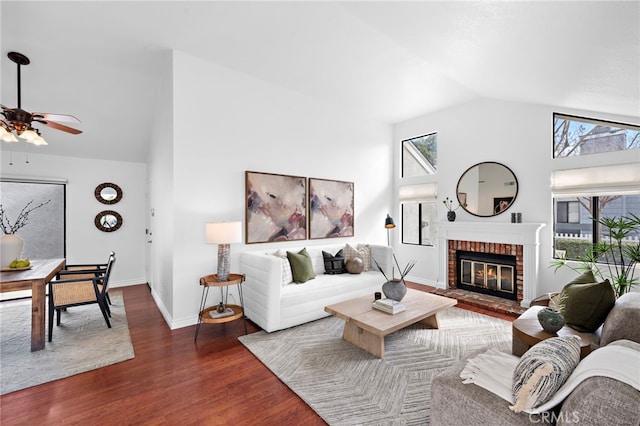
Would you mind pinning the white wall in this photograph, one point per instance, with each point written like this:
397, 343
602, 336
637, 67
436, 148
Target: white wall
516, 134
226, 123
160, 207
85, 243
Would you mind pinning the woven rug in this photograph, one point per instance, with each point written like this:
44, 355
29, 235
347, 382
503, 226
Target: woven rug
81, 343
346, 385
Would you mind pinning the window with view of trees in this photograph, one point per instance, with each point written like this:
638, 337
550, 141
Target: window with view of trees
420, 155
574, 136
576, 231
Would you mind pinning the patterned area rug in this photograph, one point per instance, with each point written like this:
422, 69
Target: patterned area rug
81, 343
347, 386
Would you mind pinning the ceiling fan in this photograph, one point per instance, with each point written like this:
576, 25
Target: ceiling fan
19, 121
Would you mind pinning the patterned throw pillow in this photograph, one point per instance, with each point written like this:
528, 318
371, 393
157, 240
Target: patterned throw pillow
286, 274
542, 370
363, 253
334, 264
301, 266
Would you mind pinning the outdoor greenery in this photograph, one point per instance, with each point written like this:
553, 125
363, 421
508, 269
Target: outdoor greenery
612, 258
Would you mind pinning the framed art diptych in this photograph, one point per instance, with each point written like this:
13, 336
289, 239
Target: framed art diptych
330, 208
275, 207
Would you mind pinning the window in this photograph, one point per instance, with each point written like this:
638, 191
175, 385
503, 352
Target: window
572, 239
419, 213
44, 233
567, 212
419, 223
574, 136
420, 155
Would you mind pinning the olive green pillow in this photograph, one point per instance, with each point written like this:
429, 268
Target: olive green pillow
585, 304
301, 266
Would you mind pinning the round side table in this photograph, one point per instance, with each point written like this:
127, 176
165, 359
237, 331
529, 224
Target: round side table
205, 313
528, 331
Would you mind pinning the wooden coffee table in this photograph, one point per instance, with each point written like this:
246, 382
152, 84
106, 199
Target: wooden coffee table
366, 327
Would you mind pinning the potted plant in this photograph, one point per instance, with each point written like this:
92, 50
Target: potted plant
613, 258
451, 214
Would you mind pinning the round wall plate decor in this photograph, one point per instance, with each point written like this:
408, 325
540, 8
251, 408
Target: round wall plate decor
108, 221
108, 193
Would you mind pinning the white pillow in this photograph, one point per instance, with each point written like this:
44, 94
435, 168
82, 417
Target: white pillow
363, 252
286, 273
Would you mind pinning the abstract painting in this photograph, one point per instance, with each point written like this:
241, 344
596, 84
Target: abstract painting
275, 207
330, 208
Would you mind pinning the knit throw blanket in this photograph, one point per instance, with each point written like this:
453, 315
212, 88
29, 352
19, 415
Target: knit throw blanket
493, 371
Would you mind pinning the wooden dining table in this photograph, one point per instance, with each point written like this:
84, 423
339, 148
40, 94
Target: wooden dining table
36, 280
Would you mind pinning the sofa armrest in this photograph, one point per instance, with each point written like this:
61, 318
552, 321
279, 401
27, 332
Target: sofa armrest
623, 319
262, 287
457, 403
384, 256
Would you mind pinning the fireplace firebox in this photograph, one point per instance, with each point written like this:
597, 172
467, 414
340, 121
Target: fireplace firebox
487, 273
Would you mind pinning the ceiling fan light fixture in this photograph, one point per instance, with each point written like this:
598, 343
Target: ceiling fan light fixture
18, 121
29, 135
38, 141
6, 135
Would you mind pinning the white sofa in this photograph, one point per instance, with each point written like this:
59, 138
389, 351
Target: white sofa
274, 305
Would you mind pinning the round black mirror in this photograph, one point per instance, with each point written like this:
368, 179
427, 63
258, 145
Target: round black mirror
108, 221
108, 193
487, 189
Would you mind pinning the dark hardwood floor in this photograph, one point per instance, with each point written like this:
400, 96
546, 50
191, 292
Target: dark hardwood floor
171, 381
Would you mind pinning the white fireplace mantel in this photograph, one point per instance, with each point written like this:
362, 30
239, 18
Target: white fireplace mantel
525, 234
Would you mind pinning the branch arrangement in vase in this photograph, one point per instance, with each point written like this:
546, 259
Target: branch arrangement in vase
404, 272
21, 221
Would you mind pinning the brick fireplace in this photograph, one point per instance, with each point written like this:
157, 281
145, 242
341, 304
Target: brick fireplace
456, 278
521, 240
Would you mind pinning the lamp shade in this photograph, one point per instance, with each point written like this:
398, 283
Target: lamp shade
223, 232
388, 222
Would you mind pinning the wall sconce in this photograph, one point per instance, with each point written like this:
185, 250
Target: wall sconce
388, 223
223, 234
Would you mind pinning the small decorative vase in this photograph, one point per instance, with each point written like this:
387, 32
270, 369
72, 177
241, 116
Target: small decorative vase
451, 216
10, 249
551, 320
394, 290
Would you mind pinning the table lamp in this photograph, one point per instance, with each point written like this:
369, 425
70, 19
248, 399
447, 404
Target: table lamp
223, 234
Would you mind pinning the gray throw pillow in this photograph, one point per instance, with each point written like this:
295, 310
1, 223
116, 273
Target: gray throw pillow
542, 370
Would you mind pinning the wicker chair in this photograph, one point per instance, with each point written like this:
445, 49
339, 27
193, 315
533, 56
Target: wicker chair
85, 287
89, 270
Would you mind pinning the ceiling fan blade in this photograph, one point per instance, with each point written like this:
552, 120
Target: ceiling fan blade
65, 118
59, 127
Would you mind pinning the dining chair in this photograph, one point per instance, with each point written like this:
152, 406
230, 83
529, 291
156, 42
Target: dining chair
79, 290
88, 270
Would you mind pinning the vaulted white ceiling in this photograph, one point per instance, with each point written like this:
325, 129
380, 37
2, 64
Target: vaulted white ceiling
387, 60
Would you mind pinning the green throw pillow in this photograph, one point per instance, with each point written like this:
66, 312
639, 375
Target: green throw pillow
585, 304
301, 266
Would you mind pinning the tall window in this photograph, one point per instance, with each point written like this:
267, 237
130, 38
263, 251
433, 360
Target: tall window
420, 155
581, 136
418, 223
